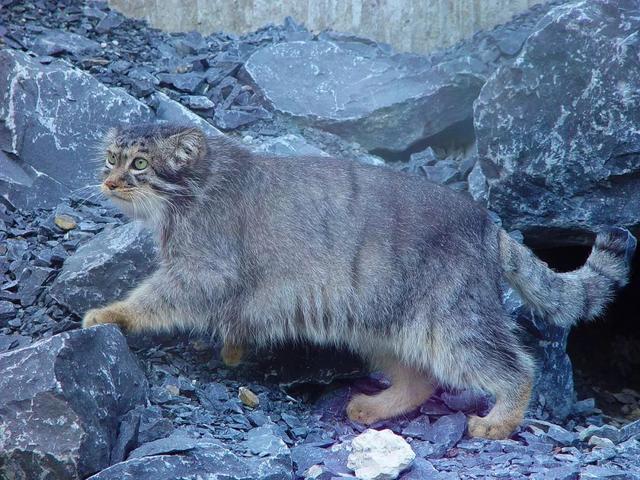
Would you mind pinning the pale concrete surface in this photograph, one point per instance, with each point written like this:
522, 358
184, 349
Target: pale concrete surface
409, 25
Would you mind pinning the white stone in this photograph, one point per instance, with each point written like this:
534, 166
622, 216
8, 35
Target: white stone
313, 472
379, 455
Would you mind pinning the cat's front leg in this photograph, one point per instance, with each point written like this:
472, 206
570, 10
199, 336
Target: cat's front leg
117, 313
152, 306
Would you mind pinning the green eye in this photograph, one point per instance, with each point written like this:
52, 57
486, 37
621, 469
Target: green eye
140, 164
111, 159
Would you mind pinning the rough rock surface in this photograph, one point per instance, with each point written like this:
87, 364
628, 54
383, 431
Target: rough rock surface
557, 131
105, 268
379, 455
365, 95
206, 459
44, 151
60, 406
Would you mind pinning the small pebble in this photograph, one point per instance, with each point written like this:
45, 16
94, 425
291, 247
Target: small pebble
248, 398
65, 222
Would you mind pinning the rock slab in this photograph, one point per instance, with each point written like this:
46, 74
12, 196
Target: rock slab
557, 130
365, 95
60, 401
105, 268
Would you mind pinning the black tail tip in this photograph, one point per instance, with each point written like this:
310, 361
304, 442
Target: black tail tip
619, 241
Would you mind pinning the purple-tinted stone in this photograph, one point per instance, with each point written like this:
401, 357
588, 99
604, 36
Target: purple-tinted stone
447, 430
420, 469
434, 407
305, 456
467, 401
417, 428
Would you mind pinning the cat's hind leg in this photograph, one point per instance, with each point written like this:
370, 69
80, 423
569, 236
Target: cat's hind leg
232, 353
488, 357
409, 389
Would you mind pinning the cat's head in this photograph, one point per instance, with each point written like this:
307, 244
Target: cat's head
148, 167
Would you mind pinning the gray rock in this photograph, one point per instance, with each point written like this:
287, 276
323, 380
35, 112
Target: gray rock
263, 441
197, 102
274, 456
178, 441
232, 119
152, 425
7, 312
190, 82
31, 284
290, 144
109, 22
171, 111
447, 430
379, 100
210, 460
105, 268
443, 172
557, 131
60, 401
51, 118
54, 42
630, 430
605, 431
128, 432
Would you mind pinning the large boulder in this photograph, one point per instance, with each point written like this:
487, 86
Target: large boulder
365, 94
51, 120
105, 268
61, 400
557, 131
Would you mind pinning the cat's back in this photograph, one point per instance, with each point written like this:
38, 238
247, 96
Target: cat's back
377, 198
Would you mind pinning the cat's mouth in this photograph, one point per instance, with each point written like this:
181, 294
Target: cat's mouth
118, 193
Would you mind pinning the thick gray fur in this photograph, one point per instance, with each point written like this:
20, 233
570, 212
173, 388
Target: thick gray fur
262, 250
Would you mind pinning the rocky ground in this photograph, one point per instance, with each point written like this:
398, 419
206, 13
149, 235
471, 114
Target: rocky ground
77, 404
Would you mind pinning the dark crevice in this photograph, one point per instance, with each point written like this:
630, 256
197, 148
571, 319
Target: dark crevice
457, 135
605, 352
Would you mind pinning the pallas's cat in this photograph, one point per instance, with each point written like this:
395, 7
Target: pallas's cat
261, 250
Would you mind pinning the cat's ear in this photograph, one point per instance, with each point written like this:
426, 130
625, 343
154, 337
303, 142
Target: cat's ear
186, 147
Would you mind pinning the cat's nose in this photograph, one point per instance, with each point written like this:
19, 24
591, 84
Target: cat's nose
110, 184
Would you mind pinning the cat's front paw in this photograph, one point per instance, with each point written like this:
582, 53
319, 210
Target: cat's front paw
109, 314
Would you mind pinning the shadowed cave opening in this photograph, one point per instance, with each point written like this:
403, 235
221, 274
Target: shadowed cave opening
605, 353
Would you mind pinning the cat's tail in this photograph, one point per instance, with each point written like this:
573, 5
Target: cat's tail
565, 298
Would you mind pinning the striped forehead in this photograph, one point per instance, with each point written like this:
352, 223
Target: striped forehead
127, 145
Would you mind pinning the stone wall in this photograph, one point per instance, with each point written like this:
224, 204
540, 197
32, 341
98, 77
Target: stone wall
409, 25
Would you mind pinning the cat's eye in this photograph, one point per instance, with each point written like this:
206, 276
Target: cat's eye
140, 163
111, 159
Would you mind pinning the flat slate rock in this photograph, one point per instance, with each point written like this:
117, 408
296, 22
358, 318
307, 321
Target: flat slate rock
169, 110
379, 100
105, 268
54, 42
208, 460
59, 407
557, 131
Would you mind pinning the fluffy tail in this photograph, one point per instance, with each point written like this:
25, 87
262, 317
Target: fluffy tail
565, 298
